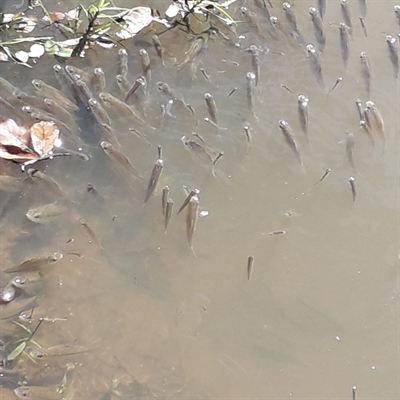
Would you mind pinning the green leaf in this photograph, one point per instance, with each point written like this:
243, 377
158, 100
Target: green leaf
65, 52
16, 352
51, 47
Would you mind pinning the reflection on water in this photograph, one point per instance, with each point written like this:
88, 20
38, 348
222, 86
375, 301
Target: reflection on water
320, 313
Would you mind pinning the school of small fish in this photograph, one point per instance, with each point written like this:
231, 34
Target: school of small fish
116, 105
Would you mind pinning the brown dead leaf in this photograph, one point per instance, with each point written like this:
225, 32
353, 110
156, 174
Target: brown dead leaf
43, 136
16, 154
11, 134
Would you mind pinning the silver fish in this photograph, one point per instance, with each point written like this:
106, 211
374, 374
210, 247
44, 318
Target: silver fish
322, 8
292, 21
315, 64
197, 149
108, 134
45, 213
289, 139
56, 351
212, 107
352, 182
83, 91
8, 293
158, 48
121, 109
146, 67
191, 219
61, 113
155, 176
99, 112
46, 180
98, 81
397, 13
16, 307
119, 158
377, 120
36, 263
302, 101
250, 265
324, 175
393, 54
90, 232
360, 109
255, 61
350, 148
344, 42
336, 84
32, 101
250, 91
192, 193
362, 5
345, 8
122, 63
65, 81
363, 26
367, 130
47, 91
168, 213
366, 71
165, 198
123, 83
139, 83
76, 73
318, 27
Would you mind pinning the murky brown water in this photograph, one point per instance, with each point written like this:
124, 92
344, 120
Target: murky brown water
320, 313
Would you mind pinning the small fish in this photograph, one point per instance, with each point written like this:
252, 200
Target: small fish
278, 233
397, 13
345, 8
49, 182
255, 61
56, 351
119, 158
262, 6
120, 108
98, 81
76, 73
352, 182
165, 198
90, 232
36, 263
139, 83
65, 82
123, 83
360, 109
38, 392
338, 80
83, 91
155, 176
192, 193
363, 26
350, 148
250, 264
158, 48
168, 213
45, 213
393, 54
198, 150
197, 47
367, 130
289, 139
322, 8
302, 101
250, 91
362, 5
8, 293
16, 307
292, 21
47, 91
231, 92
251, 20
191, 219
32, 101
99, 112
206, 75
324, 175
366, 71
212, 107
61, 113
377, 120
122, 62
146, 67
344, 42
247, 131
318, 27
315, 64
